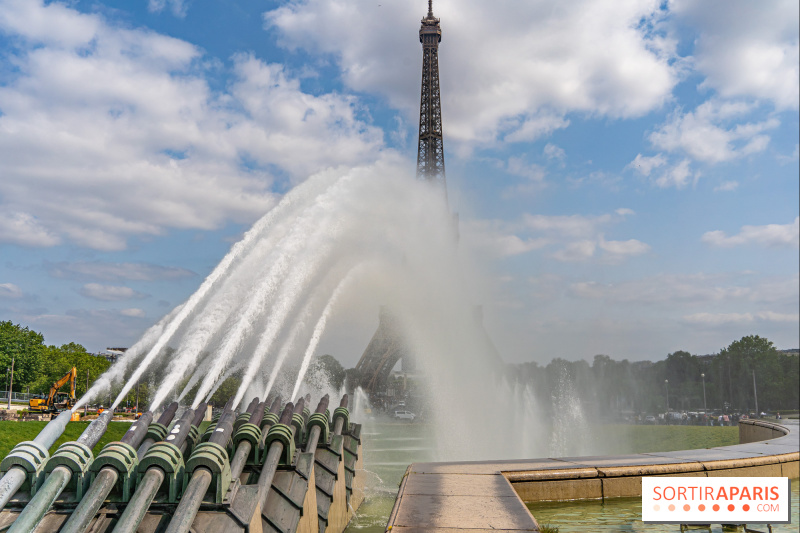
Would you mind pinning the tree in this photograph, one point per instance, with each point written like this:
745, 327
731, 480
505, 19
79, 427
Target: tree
25, 347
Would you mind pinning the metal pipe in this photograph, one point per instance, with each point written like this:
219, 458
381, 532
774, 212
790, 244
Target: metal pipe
199, 414
313, 437
243, 450
337, 428
140, 502
93, 499
275, 408
190, 502
201, 478
15, 477
82, 516
165, 418
136, 433
147, 488
273, 457
34, 512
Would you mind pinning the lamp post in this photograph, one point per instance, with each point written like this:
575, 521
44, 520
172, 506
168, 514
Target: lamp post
705, 408
11, 383
666, 388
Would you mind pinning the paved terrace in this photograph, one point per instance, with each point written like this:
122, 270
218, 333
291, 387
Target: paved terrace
479, 497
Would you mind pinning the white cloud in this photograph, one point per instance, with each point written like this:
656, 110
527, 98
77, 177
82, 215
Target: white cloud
727, 186
551, 151
25, 229
10, 291
710, 134
677, 176
746, 48
494, 239
124, 121
724, 319
770, 235
576, 251
630, 247
133, 312
673, 291
178, 7
510, 69
109, 293
575, 226
115, 271
533, 173
565, 238
644, 165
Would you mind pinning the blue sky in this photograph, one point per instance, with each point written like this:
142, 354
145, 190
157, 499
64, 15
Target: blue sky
627, 172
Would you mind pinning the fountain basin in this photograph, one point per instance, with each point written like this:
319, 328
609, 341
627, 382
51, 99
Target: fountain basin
490, 495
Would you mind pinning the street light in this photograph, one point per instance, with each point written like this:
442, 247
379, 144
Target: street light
705, 409
666, 387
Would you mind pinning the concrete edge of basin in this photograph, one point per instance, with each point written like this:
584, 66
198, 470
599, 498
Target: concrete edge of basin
572, 480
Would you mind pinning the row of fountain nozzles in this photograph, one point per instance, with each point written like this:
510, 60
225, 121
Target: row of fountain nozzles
150, 459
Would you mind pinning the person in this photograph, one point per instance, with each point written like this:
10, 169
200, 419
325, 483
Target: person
779, 416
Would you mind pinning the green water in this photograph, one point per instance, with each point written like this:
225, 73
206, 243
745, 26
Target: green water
624, 514
389, 447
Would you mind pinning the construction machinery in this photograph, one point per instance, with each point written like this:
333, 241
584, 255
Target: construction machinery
57, 401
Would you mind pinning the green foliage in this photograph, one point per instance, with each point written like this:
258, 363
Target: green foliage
226, 391
609, 387
25, 348
38, 366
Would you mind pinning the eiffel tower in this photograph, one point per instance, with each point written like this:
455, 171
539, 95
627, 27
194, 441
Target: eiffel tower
387, 347
430, 152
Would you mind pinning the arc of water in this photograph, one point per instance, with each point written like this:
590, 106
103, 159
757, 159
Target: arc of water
312, 236
250, 237
117, 372
299, 325
321, 323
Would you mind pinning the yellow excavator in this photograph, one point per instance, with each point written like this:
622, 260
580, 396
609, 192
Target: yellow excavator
57, 401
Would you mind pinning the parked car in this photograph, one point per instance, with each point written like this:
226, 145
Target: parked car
650, 419
405, 415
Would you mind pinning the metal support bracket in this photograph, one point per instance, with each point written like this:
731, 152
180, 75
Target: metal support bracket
215, 458
31, 457
168, 458
252, 434
77, 458
122, 458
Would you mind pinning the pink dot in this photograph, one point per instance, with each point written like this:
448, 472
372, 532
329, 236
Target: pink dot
687, 507
731, 507
656, 507
671, 507
701, 507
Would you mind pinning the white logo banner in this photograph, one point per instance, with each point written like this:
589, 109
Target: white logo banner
716, 500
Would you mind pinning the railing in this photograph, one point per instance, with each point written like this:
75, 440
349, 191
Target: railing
15, 397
